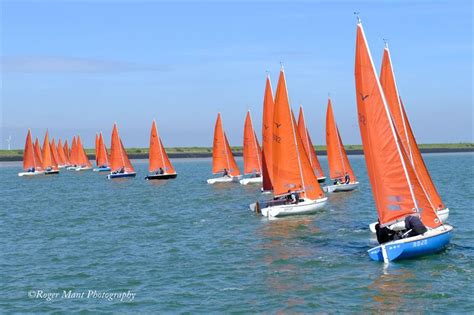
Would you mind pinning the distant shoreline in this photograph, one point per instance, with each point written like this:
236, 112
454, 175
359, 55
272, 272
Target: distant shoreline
190, 154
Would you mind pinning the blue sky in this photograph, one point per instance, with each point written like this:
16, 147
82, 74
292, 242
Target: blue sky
79, 66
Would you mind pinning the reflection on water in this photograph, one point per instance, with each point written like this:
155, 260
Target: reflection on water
388, 292
283, 250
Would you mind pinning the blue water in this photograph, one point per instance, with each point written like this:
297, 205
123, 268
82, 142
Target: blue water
185, 246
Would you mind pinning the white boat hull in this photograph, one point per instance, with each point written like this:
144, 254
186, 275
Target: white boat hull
80, 168
304, 207
30, 173
442, 214
224, 179
251, 180
341, 187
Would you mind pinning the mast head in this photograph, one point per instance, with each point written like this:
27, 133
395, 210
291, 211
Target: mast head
357, 16
385, 42
281, 66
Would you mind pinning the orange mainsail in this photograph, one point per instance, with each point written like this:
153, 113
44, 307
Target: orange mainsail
337, 157
102, 157
389, 86
308, 145
118, 155
222, 157
38, 153
82, 158
252, 150
74, 156
292, 169
96, 149
48, 158
29, 159
55, 153
267, 136
66, 150
157, 154
61, 153
397, 191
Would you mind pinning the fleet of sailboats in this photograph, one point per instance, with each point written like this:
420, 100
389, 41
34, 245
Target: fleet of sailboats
411, 213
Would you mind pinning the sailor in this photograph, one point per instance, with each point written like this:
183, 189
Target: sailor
31, 170
347, 178
160, 171
226, 173
414, 226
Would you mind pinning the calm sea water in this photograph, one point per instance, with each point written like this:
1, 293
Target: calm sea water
185, 246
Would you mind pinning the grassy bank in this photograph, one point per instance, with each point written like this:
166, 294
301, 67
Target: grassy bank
208, 150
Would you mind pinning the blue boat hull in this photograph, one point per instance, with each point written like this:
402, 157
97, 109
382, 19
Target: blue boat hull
121, 175
414, 246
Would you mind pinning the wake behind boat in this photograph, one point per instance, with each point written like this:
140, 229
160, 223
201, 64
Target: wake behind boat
159, 166
399, 195
119, 162
295, 186
252, 154
223, 161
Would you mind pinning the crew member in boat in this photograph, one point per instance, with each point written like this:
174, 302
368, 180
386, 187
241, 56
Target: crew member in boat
31, 170
413, 227
347, 178
226, 173
160, 171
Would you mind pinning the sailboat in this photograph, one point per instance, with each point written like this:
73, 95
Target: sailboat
63, 156
83, 163
295, 187
340, 169
101, 155
31, 164
38, 152
159, 166
50, 166
54, 151
252, 154
119, 163
267, 137
73, 154
399, 195
309, 148
222, 158
66, 151
400, 119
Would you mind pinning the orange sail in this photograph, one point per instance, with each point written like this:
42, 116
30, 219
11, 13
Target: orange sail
157, 154
102, 157
29, 159
48, 159
267, 136
389, 86
38, 153
74, 154
252, 150
222, 157
292, 169
396, 189
96, 148
82, 158
308, 145
66, 150
63, 157
337, 157
118, 155
54, 151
